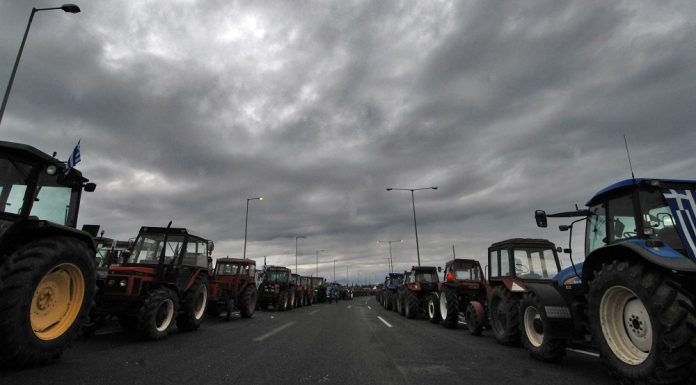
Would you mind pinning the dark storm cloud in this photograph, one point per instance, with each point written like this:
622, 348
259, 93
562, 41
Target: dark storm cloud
186, 109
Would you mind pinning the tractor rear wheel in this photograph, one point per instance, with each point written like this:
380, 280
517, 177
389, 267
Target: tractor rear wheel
193, 306
472, 323
434, 308
644, 323
449, 311
156, 315
290, 301
247, 301
505, 316
46, 291
411, 304
283, 301
539, 345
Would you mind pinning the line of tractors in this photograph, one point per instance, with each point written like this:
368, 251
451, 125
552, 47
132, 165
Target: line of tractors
57, 281
632, 299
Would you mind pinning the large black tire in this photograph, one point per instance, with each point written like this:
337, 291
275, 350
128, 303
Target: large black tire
291, 300
400, 304
629, 301
28, 290
434, 308
505, 316
157, 313
229, 308
282, 301
193, 306
393, 301
472, 323
449, 307
247, 301
411, 304
539, 345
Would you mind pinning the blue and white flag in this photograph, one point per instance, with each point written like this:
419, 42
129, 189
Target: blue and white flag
74, 158
682, 204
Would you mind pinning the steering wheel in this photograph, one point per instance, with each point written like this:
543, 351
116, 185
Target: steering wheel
521, 269
628, 235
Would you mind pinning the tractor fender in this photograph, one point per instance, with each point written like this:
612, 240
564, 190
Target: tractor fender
480, 310
30, 230
663, 256
514, 285
556, 311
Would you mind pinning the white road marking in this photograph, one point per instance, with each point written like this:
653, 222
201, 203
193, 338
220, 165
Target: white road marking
384, 322
368, 306
593, 354
274, 331
313, 311
349, 306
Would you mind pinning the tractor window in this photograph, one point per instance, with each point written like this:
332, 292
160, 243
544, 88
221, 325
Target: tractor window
15, 176
227, 269
596, 228
622, 223
658, 216
196, 254
504, 263
426, 276
535, 264
277, 276
52, 204
493, 264
471, 273
148, 248
15, 199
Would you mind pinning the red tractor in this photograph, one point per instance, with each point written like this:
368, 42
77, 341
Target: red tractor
461, 292
308, 290
276, 288
419, 285
233, 286
299, 298
164, 280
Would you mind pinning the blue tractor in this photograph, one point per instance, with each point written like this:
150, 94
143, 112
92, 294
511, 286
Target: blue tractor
633, 298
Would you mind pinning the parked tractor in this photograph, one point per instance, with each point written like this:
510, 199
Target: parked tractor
299, 298
634, 296
164, 281
275, 289
419, 285
308, 290
233, 286
47, 272
319, 288
391, 284
463, 289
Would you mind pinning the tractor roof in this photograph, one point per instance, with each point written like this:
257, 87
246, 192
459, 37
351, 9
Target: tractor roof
424, 268
397, 275
523, 242
271, 267
28, 152
171, 231
238, 261
628, 184
462, 262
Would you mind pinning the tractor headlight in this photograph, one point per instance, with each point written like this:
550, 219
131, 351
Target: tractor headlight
111, 283
123, 283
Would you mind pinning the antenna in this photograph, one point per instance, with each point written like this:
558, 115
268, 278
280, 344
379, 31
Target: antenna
629, 158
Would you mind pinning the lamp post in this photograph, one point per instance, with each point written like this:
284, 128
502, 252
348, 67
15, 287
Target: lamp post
246, 220
318, 261
391, 260
334, 271
413, 201
347, 281
296, 238
70, 8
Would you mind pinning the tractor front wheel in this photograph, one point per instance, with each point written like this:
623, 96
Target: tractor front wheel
46, 289
410, 304
472, 322
539, 345
156, 315
434, 308
449, 309
505, 316
644, 323
247, 301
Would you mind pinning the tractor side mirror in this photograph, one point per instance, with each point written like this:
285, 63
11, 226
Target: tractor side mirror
540, 217
90, 187
211, 247
568, 251
564, 227
439, 269
559, 249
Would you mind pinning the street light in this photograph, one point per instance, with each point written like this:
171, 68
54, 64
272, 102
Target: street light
296, 238
391, 260
318, 261
70, 8
246, 220
413, 201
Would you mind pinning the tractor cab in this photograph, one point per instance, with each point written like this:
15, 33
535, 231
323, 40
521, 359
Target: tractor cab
393, 280
515, 261
233, 270
465, 272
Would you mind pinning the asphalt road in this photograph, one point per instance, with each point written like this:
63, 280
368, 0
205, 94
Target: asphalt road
352, 342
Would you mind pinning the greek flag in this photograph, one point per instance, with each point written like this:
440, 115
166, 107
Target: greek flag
74, 158
683, 203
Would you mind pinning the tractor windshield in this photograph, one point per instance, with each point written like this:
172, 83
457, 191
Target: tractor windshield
535, 263
395, 281
52, 201
227, 269
148, 248
316, 282
426, 276
658, 220
471, 273
277, 276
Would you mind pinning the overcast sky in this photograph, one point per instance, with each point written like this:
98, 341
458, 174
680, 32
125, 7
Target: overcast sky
187, 108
